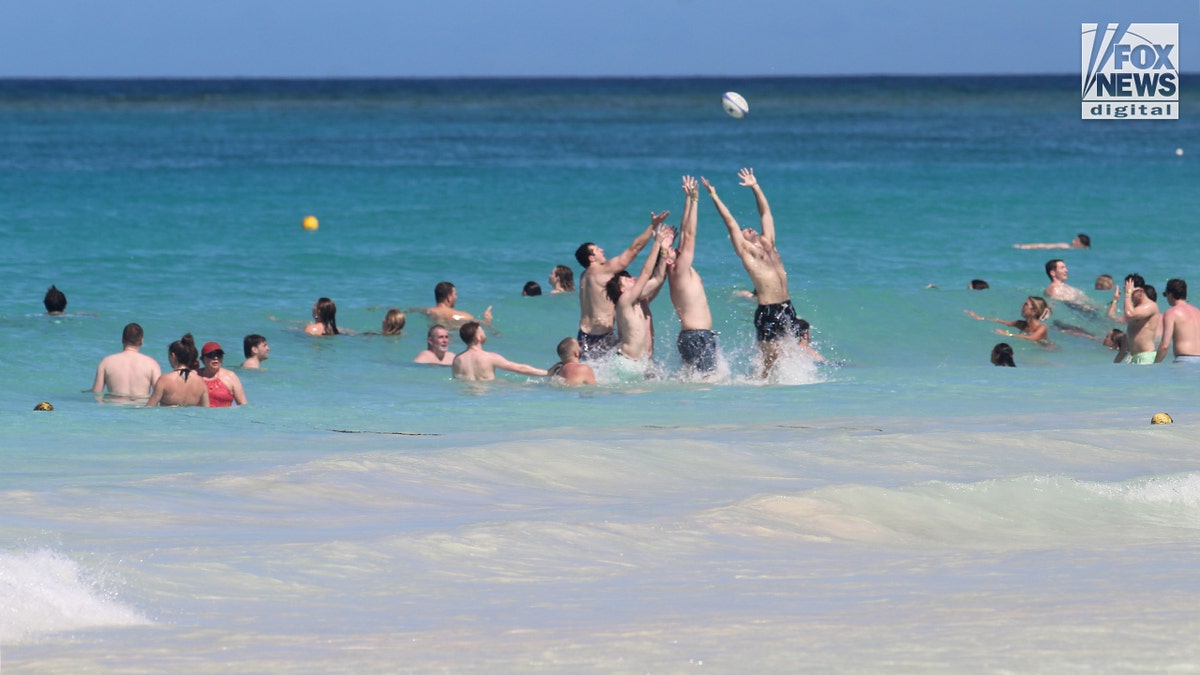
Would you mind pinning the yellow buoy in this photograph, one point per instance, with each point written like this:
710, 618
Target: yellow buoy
1161, 418
310, 223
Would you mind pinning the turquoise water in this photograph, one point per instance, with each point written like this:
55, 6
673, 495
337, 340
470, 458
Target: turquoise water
364, 511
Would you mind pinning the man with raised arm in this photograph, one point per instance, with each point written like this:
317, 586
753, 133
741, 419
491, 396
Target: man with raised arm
775, 319
596, 337
1141, 321
1181, 325
629, 295
474, 363
697, 342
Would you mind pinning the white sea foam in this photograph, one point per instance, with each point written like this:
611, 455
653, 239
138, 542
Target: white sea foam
46, 592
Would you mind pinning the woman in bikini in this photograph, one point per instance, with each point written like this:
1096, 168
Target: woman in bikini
1034, 313
181, 386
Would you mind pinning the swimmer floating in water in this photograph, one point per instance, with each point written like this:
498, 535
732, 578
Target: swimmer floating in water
1033, 313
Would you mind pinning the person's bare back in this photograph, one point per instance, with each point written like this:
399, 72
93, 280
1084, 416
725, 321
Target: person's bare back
127, 373
476, 364
1181, 325
180, 388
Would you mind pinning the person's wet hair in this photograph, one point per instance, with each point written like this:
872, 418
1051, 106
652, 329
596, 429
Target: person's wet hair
1137, 279
184, 351
565, 277
393, 322
979, 285
1050, 265
441, 292
532, 288
250, 342
327, 315
468, 331
1151, 293
55, 300
1104, 282
1177, 288
612, 289
132, 335
1084, 239
1002, 355
583, 253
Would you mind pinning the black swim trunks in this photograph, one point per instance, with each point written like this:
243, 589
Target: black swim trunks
698, 349
592, 347
776, 321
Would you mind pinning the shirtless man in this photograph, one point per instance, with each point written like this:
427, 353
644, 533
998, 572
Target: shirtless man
444, 312
697, 342
1141, 321
128, 373
775, 319
569, 371
1059, 289
596, 336
438, 353
1181, 325
474, 363
628, 296
256, 349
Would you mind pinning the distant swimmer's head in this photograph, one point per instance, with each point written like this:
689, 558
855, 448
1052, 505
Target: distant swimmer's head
1104, 282
532, 288
616, 286
562, 278
1056, 269
1035, 307
393, 322
979, 285
1176, 288
568, 349
1161, 418
55, 301
132, 336
471, 333
445, 293
1136, 278
438, 338
43, 406
325, 313
1081, 240
255, 342
1150, 292
588, 253
802, 328
1002, 355
1114, 338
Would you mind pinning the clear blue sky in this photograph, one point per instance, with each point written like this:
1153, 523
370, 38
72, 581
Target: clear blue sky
429, 38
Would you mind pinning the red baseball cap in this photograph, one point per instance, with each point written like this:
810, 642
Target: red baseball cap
210, 347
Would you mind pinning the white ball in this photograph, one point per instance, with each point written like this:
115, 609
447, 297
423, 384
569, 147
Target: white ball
1179, 152
735, 106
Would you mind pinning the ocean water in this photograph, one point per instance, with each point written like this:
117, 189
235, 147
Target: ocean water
910, 508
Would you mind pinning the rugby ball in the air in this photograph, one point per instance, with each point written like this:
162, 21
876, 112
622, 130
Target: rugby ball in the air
735, 105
